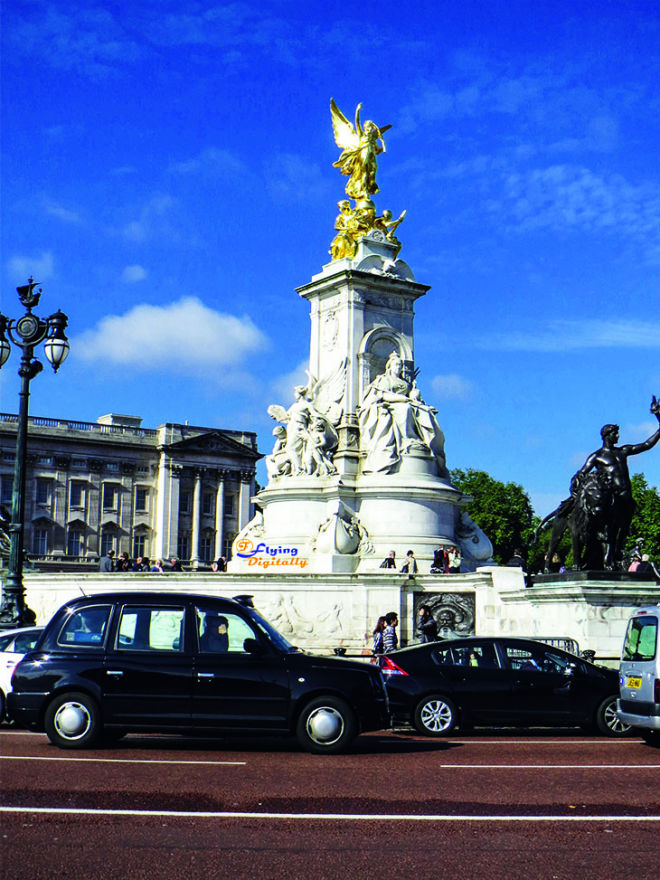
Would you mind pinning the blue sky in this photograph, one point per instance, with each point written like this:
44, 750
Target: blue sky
167, 176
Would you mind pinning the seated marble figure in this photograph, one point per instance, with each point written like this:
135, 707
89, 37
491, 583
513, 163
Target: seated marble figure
394, 420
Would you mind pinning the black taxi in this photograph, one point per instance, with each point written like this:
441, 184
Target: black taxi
114, 663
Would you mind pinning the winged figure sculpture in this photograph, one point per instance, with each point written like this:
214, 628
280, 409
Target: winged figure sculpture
360, 147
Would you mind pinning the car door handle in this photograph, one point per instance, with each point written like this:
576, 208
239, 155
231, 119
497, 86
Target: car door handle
205, 675
116, 672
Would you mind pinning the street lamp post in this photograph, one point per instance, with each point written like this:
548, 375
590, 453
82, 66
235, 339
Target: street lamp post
25, 332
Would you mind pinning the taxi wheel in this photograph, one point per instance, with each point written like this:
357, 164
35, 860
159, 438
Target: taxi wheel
435, 716
73, 721
607, 720
326, 726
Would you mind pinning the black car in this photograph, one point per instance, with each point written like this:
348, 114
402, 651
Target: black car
499, 682
109, 664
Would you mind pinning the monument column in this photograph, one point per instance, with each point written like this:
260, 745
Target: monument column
244, 496
196, 513
220, 515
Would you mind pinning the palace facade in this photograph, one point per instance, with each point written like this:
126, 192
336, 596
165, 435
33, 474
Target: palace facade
175, 490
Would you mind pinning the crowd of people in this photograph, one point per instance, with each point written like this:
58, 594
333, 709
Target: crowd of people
446, 560
124, 563
386, 639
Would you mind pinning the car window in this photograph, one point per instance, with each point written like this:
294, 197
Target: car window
85, 627
5, 642
641, 639
25, 642
481, 656
222, 632
538, 659
146, 628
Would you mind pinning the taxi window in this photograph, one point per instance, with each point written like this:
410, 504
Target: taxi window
222, 632
641, 639
480, 656
86, 627
150, 629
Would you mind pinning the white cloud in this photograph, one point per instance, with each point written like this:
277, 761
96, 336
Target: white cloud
294, 177
575, 335
66, 215
153, 218
214, 161
134, 273
452, 386
40, 267
637, 433
183, 337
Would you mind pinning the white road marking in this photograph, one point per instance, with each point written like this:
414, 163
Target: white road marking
341, 817
116, 760
550, 766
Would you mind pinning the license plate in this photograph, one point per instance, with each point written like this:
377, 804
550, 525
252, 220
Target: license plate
634, 681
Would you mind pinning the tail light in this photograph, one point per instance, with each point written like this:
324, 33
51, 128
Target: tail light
656, 691
389, 667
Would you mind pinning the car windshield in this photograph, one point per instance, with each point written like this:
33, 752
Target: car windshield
641, 639
273, 635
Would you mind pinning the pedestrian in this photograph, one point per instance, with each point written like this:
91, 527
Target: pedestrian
175, 565
646, 566
379, 629
107, 562
219, 565
390, 638
138, 564
440, 561
158, 566
635, 564
409, 567
427, 628
389, 561
454, 560
516, 560
124, 562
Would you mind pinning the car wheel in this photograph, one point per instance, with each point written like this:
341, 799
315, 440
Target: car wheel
652, 737
607, 720
73, 721
326, 726
435, 716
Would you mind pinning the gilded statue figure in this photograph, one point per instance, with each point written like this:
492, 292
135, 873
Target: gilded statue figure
360, 147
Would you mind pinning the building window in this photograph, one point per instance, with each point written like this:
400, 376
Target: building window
40, 542
74, 543
229, 505
107, 542
206, 548
43, 490
185, 501
139, 545
207, 503
79, 462
183, 548
110, 496
45, 460
76, 494
6, 488
229, 540
112, 466
141, 495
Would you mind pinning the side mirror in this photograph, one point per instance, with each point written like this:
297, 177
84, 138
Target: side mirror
252, 646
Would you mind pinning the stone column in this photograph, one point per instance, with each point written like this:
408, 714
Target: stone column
220, 515
245, 494
196, 514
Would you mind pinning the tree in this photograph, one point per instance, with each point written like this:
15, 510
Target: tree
646, 521
502, 510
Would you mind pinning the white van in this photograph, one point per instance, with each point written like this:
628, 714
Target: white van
639, 675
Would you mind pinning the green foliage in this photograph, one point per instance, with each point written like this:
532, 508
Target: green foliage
502, 510
646, 521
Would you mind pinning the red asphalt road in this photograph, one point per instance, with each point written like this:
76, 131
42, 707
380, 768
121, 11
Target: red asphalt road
398, 805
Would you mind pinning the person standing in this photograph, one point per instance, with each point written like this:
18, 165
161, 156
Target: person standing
409, 567
454, 560
107, 562
378, 647
390, 638
427, 628
440, 560
389, 561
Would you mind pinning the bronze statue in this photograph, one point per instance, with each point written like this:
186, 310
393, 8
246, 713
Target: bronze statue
360, 145
600, 508
360, 149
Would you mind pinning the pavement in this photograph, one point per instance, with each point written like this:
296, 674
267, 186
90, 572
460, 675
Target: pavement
514, 804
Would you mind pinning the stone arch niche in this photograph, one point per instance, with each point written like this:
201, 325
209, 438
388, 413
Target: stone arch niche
375, 348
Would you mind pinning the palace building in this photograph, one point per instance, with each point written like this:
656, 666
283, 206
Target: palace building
175, 490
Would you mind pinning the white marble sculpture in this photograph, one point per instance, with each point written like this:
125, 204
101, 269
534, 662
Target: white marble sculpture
306, 440
394, 420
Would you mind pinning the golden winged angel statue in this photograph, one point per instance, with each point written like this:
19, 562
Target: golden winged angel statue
360, 147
